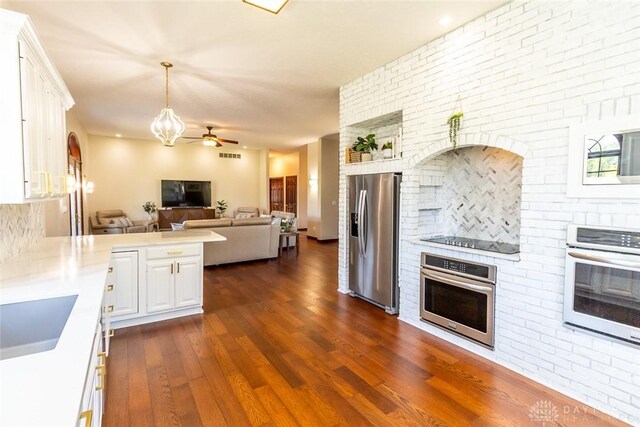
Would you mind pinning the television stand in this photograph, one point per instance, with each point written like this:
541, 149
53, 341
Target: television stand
178, 214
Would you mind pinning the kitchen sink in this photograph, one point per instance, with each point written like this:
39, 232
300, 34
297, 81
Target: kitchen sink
33, 326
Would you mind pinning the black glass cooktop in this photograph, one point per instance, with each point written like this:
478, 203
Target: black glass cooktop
483, 245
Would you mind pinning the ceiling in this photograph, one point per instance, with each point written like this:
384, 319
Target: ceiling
269, 81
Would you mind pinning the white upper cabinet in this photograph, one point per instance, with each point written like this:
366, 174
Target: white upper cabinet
33, 164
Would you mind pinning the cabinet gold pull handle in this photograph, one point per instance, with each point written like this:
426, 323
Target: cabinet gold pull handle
109, 288
171, 268
109, 333
87, 415
110, 270
110, 309
102, 355
178, 267
102, 373
174, 252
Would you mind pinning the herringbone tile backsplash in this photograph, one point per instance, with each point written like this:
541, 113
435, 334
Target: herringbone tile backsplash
481, 194
20, 226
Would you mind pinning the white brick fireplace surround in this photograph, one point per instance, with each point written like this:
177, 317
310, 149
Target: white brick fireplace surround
524, 73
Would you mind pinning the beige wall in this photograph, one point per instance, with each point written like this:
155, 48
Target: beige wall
328, 184
313, 196
56, 212
322, 205
303, 187
127, 173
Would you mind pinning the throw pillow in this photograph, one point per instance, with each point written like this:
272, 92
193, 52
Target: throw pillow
120, 221
245, 215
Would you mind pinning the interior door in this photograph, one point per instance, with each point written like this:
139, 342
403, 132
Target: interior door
276, 194
291, 191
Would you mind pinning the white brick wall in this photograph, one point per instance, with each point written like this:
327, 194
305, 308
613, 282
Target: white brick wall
524, 72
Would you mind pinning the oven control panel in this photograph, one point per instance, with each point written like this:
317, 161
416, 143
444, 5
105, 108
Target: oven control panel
615, 238
458, 266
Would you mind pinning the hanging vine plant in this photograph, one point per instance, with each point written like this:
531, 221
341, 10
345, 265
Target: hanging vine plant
454, 128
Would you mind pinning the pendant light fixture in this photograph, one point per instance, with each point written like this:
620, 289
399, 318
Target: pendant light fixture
167, 127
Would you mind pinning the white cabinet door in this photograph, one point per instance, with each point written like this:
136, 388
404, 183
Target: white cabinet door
56, 158
32, 88
160, 285
124, 278
92, 405
188, 281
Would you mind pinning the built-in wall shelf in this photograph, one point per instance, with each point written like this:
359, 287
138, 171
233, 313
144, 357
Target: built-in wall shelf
386, 128
429, 208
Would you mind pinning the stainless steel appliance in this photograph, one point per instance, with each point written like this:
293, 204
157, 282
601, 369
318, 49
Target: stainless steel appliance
374, 204
459, 296
602, 281
483, 245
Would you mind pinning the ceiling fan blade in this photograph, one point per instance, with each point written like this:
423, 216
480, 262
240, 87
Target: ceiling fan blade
228, 141
218, 145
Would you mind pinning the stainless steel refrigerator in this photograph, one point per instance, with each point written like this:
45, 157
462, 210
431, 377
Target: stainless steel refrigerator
373, 238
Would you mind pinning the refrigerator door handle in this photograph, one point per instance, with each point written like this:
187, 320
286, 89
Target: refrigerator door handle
360, 223
365, 222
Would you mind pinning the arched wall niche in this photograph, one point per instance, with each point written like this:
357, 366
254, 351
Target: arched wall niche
473, 191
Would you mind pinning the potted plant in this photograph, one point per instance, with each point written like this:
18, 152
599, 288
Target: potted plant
387, 150
364, 146
222, 207
150, 209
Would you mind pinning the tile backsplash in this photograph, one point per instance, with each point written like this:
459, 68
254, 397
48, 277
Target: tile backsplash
20, 226
481, 194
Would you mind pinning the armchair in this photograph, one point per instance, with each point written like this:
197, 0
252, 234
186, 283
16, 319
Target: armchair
116, 222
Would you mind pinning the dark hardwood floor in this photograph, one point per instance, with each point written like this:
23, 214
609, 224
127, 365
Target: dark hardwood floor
279, 346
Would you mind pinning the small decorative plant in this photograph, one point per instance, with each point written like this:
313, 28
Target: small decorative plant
454, 128
387, 150
222, 207
365, 144
149, 208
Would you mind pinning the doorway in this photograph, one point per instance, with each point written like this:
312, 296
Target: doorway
291, 190
276, 194
76, 211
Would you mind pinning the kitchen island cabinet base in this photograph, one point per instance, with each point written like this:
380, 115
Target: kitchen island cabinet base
156, 317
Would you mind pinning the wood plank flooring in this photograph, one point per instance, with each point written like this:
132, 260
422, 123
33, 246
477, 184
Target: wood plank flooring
279, 346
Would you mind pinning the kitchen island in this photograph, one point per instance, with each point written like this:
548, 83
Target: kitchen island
50, 387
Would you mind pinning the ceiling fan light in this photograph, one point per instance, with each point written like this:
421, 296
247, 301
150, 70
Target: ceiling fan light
273, 6
209, 142
167, 127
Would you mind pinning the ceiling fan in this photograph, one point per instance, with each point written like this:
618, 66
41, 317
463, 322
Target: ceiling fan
210, 139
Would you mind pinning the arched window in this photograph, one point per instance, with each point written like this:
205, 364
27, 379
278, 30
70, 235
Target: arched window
603, 155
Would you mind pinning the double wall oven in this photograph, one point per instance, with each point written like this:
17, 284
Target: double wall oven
459, 296
602, 281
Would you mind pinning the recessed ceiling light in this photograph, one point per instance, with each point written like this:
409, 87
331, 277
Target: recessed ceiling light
244, 146
273, 6
445, 20
118, 135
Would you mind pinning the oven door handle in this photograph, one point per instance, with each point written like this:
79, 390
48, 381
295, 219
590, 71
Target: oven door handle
458, 283
605, 260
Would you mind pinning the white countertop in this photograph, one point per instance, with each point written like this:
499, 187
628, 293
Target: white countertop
45, 389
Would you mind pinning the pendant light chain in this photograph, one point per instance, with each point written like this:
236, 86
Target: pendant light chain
166, 84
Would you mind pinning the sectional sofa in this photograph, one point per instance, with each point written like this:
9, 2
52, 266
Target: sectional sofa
247, 239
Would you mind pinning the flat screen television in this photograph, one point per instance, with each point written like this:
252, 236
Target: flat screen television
186, 194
